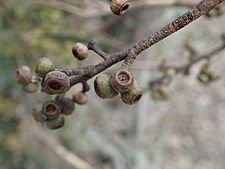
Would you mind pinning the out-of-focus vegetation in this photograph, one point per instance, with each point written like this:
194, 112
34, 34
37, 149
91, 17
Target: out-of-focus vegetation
186, 131
29, 31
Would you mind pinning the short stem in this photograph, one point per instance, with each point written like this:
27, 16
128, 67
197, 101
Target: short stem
85, 87
93, 46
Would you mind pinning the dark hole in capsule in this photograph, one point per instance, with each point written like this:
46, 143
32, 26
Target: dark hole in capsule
96, 87
137, 98
124, 8
123, 78
55, 85
50, 108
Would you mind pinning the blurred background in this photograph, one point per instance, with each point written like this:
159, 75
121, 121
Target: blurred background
185, 131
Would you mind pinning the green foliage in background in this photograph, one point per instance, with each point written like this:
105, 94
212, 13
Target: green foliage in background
27, 32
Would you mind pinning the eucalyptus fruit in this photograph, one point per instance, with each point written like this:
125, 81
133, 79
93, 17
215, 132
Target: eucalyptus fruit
119, 7
122, 80
56, 123
44, 66
51, 109
206, 75
23, 75
160, 92
103, 87
203, 78
66, 104
80, 51
56, 82
133, 95
80, 98
38, 115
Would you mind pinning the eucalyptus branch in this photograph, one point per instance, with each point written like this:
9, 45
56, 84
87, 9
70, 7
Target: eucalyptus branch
183, 69
59, 81
201, 9
93, 46
129, 55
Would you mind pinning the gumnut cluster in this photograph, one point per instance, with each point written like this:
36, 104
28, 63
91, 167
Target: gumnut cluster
52, 82
56, 82
52, 112
122, 81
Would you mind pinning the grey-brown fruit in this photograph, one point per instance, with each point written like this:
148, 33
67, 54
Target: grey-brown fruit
44, 66
122, 80
66, 104
38, 115
51, 109
56, 123
133, 95
103, 87
80, 98
80, 51
23, 75
56, 82
119, 7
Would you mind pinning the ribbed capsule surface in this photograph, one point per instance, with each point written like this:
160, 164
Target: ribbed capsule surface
122, 80
56, 82
103, 88
119, 7
133, 95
